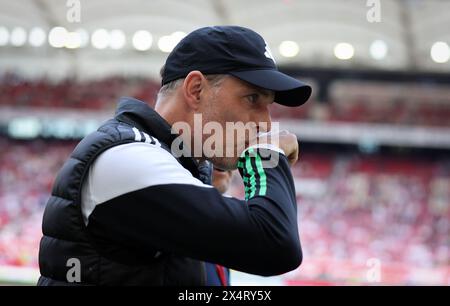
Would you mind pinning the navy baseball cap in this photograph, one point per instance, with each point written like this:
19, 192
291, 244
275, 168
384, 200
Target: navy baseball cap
236, 51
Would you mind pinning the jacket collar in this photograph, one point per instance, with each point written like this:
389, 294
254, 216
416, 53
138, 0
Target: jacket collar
143, 117
140, 115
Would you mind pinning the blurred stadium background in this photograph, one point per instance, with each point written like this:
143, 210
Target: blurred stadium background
373, 180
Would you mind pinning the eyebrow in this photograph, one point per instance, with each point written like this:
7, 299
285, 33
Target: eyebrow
264, 92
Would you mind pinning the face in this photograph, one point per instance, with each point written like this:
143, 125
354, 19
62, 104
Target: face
242, 110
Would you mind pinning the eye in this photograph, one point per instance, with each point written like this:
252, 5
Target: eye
253, 98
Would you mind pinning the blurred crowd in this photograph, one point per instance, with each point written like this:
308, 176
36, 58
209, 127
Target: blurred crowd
351, 206
27, 171
348, 102
94, 95
395, 209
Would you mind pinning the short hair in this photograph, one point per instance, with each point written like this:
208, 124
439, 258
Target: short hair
169, 88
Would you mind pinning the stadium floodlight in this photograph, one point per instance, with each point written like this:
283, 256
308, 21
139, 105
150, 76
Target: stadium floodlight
100, 39
378, 49
18, 37
168, 42
57, 37
37, 37
4, 36
288, 48
142, 40
344, 51
84, 37
440, 52
73, 40
177, 36
165, 44
117, 39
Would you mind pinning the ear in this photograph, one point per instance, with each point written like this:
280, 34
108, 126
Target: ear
193, 86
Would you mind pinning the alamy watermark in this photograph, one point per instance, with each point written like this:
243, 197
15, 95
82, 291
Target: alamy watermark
373, 274
214, 140
73, 14
374, 13
73, 275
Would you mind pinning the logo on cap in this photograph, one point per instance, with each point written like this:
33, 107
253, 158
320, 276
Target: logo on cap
268, 54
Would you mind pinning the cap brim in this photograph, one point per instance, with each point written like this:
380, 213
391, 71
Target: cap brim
288, 91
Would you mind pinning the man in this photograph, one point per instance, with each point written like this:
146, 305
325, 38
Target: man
128, 209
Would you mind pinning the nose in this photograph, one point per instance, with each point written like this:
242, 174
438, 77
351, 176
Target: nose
264, 124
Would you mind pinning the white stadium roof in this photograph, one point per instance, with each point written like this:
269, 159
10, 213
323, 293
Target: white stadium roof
299, 32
